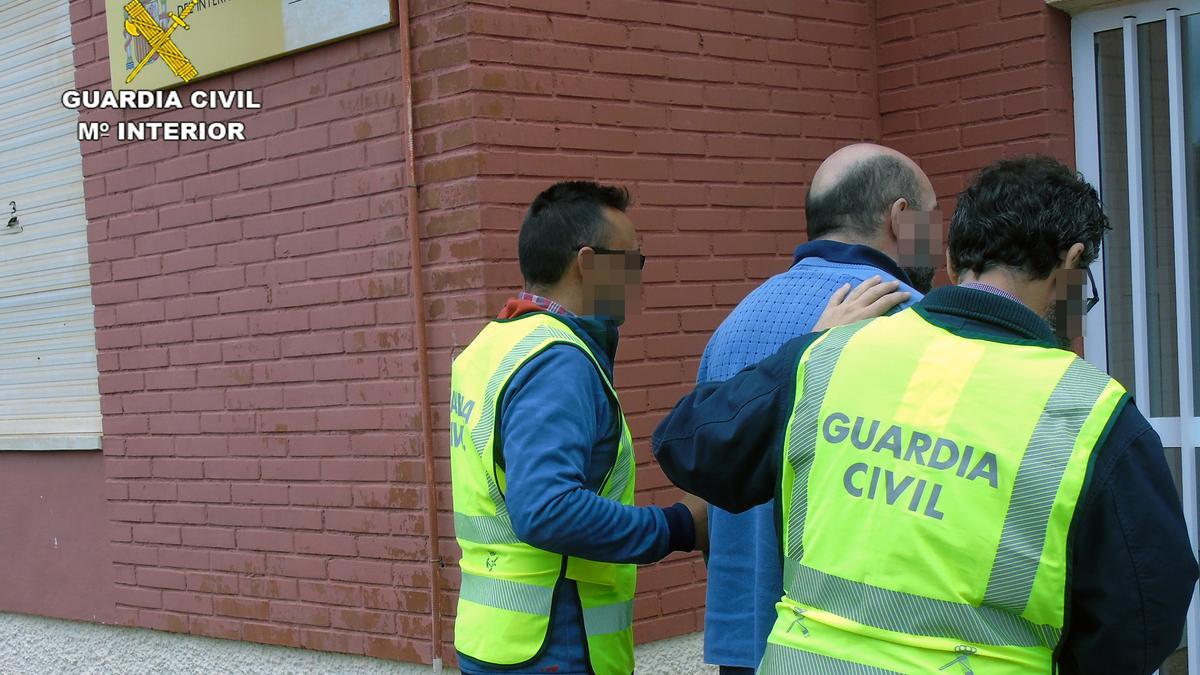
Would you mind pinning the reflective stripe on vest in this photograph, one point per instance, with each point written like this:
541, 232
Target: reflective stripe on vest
508, 587
912, 614
1041, 472
779, 660
1003, 627
507, 594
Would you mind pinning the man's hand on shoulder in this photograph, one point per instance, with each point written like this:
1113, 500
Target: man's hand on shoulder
870, 299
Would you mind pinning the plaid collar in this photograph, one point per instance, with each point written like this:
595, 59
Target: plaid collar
545, 303
991, 289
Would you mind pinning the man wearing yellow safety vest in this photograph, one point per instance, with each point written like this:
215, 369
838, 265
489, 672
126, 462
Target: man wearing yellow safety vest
542, 460
955, 493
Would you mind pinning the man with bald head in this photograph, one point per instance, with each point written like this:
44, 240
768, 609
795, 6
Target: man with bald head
871, 212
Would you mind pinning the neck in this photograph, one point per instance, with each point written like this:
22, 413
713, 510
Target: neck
878, 243
1031, 293
568, 297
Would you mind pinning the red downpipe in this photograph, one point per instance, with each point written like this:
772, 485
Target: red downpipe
418, 296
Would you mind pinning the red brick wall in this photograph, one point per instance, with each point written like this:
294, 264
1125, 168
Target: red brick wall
963, 84
256, 348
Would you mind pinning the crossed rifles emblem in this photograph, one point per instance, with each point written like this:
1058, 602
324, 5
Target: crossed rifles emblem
141, 23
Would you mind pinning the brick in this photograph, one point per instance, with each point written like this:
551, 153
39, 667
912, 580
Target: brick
613, 140
735, 47
296, 566
586, 31
207, 492
139, 597
1004, 82
264, 540
155, 578
191, 603
486, 21
156, 534
215, 627
321, 495
300, 613
764, 25
892, 30
958, 66
689, 68
183, 514
507, 79
629, 63
242, 608
664, 39
292, 518
822, 32
702, 18
1008, 130
263, 587
229, 515
667, 92
361, 571
250, 493
404, 497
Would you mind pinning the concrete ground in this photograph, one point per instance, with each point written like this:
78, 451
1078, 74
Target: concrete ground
33, 645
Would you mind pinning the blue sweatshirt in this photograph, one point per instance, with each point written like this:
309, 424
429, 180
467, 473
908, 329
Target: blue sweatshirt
559, 433
745, 578
1131, 567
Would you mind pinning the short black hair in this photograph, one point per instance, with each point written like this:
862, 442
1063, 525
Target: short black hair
564, 217
860, 198
1024, 214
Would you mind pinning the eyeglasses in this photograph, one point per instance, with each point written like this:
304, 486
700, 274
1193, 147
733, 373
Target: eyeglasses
1094, 298
641, 259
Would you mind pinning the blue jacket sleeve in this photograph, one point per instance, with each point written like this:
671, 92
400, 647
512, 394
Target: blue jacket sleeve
1133, 569
549, 432
723, 442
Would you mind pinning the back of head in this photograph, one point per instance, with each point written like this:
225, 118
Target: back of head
1024, 214
561, 219
856, 201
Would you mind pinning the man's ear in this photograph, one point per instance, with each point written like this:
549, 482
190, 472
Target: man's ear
583, 264
950, 271
898, 207
1074, 254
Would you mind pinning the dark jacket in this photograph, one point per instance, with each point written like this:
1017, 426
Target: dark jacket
1132, 569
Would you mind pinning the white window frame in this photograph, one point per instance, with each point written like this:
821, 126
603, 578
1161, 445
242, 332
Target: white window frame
1183, 431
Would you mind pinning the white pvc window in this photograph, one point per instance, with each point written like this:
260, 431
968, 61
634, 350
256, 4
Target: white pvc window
49, 396
1137, 130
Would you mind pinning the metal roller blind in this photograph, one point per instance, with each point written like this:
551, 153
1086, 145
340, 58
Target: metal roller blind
49, 397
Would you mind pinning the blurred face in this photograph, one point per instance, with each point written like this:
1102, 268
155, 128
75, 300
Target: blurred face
1065, 312
919, 244
612, 271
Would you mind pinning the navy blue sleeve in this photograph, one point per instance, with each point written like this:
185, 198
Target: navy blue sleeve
723, 441
549, 430
1133, 569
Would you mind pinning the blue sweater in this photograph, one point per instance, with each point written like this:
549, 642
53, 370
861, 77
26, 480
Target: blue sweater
558, 440
1131, 567
745, 578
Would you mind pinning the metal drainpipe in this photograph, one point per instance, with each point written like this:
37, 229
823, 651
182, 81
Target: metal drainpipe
418, 296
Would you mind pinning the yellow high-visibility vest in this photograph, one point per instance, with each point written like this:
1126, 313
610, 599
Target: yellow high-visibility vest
507, 585
929, 485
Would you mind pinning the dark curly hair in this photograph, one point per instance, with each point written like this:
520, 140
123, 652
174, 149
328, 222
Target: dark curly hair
562, 218
1024, 214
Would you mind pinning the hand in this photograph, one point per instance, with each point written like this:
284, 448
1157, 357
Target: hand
867, 301
699, 510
